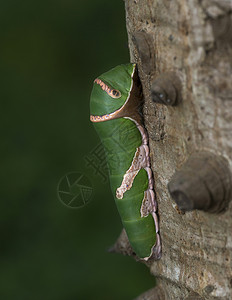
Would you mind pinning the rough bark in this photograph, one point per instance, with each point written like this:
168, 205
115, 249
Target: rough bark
193, 39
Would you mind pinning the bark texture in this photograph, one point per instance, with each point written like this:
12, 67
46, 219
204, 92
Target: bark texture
192, 38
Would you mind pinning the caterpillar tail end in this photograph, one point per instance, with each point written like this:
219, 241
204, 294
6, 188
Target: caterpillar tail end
156, 251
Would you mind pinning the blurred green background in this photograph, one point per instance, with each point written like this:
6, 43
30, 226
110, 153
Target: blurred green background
50, 53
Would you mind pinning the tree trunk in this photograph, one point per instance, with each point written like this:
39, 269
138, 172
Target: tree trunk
191, 38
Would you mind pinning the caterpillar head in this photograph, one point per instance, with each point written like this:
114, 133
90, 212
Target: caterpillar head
111, 90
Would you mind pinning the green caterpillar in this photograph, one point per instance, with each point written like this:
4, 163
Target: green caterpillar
115, 108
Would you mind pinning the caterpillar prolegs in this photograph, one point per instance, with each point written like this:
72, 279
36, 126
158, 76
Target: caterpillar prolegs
115, 108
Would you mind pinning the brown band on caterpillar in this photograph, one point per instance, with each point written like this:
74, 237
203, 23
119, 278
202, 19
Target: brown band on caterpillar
111, 92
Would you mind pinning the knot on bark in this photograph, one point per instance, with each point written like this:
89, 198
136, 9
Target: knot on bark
203, 182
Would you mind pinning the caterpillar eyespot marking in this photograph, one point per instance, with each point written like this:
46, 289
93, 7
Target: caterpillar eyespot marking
111, 92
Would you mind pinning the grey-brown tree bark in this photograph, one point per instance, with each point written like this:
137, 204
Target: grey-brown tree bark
193, 39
